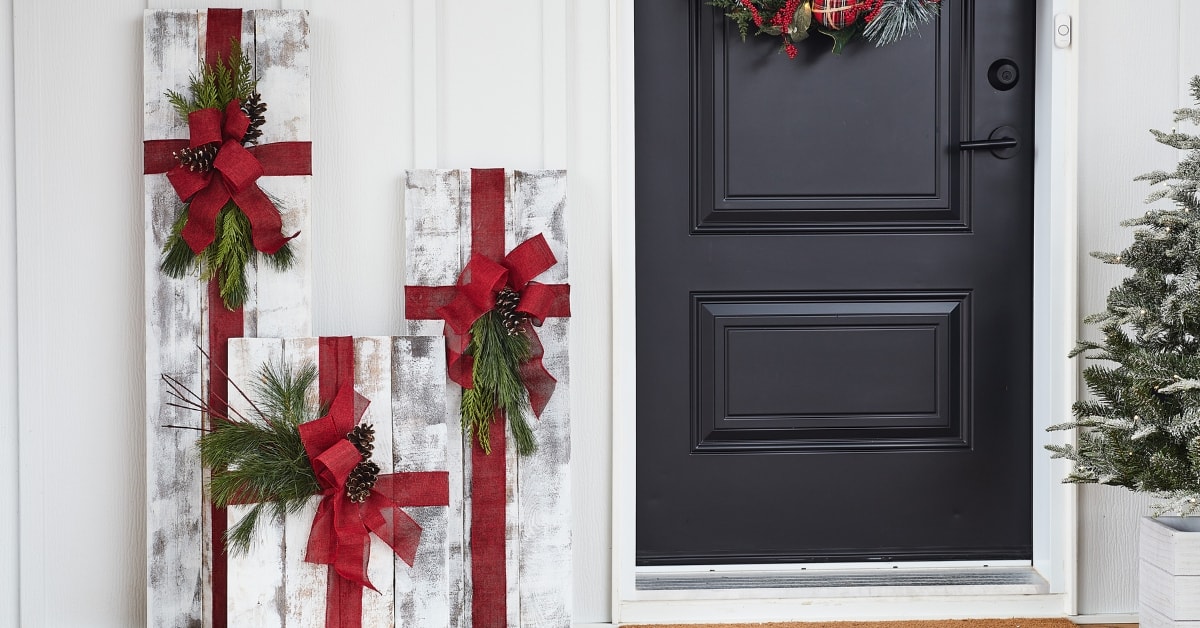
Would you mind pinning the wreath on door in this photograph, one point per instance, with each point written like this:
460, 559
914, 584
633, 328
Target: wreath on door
879, 21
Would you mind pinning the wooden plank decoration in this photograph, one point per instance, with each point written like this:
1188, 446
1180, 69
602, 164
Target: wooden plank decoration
403, 378
184, 574
442, 232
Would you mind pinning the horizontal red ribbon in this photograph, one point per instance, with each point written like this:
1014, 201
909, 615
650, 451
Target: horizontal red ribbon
341, 529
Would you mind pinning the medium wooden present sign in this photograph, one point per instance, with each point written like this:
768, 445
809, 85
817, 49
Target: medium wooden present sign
511, 537
402, 380
213, 159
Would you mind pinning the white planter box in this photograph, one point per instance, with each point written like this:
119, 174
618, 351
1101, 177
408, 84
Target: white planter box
1169, 572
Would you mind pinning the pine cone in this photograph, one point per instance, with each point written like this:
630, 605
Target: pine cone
362, 479
198, 159
363, 439
254, 108
506, 306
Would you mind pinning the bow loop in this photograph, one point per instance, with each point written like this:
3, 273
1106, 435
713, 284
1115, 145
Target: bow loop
204, 127
236, 121
528, 260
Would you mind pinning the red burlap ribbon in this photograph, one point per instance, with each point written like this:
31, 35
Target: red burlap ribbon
488, 271
341, 530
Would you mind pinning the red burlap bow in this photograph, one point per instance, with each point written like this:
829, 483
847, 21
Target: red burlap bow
475, 295
234, 176
341, 530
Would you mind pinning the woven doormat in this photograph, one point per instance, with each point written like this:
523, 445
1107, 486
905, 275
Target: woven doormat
955, 623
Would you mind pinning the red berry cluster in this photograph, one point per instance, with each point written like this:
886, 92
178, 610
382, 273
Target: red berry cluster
781, 20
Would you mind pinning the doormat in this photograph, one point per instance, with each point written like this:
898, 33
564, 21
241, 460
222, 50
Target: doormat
954, 623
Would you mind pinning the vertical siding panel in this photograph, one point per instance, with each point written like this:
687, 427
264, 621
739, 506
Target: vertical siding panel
1126, 91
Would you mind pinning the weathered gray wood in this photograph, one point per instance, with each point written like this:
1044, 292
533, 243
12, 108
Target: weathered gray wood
176, 582
179, 550
433, 213
404, 379
544, 479
537, 522
420, 443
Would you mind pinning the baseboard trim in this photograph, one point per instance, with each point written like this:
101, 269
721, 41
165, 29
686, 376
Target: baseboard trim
750, 608
1105, 618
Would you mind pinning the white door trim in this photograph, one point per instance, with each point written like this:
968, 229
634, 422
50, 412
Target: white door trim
1055, 377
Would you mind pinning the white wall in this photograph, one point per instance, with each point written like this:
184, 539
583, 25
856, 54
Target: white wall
468, 83
1133, 75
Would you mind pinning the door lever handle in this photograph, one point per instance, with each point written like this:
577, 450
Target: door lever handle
1003, 143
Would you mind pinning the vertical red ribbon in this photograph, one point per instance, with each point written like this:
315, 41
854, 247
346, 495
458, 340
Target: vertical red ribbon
489, 473
343, 599
224, 27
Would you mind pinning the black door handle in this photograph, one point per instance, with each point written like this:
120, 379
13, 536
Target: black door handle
1003, 143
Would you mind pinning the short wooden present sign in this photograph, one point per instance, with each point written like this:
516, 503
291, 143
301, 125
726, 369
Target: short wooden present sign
268, 178
1169, 572
511, 536
403, 380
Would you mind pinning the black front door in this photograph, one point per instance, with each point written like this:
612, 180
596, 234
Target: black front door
833, 294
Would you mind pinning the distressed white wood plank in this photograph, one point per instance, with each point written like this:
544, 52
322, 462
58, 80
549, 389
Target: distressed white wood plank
256, 592
537, 521
544, 482
283, 66
177, 580
420, 443
373, 379
304, 581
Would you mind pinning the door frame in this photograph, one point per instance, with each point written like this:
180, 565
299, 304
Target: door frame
1055, 325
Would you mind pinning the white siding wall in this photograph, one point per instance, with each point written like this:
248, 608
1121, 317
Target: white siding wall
1133, 73
521, 84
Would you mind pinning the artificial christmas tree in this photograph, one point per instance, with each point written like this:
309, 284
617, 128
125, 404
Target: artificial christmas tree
1142, 429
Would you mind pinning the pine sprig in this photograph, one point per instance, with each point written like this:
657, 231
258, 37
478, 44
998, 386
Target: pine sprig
497, 384
1141, 427
260, 457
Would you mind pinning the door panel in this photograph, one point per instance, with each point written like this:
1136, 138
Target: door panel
834, 301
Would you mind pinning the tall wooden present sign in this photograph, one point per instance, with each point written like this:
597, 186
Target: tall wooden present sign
400, 383
483, 242
225, 192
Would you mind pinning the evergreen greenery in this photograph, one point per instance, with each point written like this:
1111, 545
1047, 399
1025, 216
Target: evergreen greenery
260, 458
229, 254
497, 383
1141, 429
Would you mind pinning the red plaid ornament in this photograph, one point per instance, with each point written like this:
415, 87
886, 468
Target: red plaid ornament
837, 14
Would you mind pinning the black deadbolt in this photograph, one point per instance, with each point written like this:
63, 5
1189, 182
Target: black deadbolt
1003, 74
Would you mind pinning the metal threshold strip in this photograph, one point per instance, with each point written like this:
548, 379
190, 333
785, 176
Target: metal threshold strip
1022, 580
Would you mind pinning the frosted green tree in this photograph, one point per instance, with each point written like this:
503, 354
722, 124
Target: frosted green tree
1141, 428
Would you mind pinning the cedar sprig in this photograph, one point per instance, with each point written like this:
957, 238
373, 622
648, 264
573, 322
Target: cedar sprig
259, 458
497, 383
215, 86
226, 258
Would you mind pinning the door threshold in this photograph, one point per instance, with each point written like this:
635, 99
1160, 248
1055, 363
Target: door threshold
840, 583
